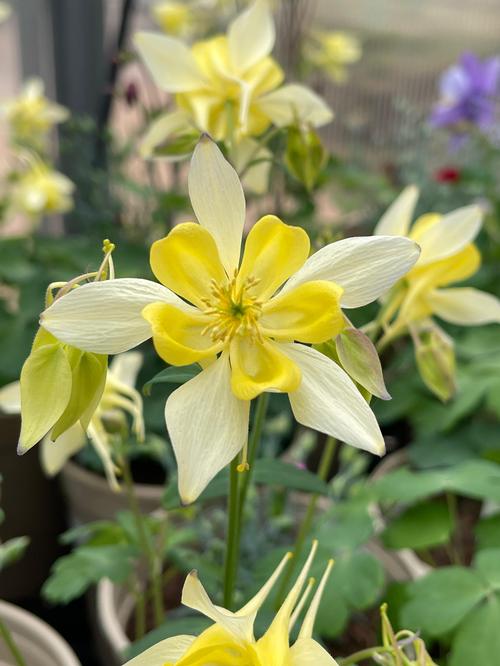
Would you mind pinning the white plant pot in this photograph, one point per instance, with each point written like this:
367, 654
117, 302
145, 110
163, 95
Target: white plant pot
114, 607
90, 498
39, 644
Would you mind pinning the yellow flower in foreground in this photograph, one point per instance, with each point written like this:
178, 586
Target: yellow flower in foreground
227, 86
448, 256
230, 640
232, 318
333, 51
41, 190
31, 115
174, 18
118, 399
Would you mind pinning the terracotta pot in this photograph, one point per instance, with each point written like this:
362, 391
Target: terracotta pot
38, 643
90, 498
33, 507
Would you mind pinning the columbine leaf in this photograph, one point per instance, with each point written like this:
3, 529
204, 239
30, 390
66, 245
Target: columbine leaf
11, 551
422, 526
441, 600
172, 375
478, 639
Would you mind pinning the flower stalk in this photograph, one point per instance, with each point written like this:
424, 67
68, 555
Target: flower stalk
233, 534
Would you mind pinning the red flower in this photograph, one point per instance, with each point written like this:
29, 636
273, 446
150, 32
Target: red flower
447, 175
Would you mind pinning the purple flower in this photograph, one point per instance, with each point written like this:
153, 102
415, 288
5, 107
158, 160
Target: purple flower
468, 93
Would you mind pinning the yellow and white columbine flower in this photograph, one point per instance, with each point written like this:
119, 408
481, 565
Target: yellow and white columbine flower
31, 115
448, 256
41, 190
233, 319
230, 640
333, 51
228, 86
118, 399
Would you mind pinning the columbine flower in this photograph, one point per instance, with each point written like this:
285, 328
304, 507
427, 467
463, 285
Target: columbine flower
448, 256
228, 85
333, 51
230, 317
118, 399
174, 18
31, 115
41, 190
468, 93
230, 640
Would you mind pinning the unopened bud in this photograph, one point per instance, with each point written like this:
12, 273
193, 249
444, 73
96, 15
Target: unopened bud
435, 357
360, 360
305, 156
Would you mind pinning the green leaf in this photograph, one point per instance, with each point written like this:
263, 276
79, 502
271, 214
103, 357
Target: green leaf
12, 550
476, 478
441, 600
487, 532
333, 614
45, 391
407, 487
267, 471
487, 563
477, 641
73, 574
359, 578
345, 526
172, 375
421, 526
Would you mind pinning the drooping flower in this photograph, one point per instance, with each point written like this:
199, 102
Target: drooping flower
448, 256
31, 116
469, 93
333, 51
233, 319
228, 86
40, 190
118, 399
230, 640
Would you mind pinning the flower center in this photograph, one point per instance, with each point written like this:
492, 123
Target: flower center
233, 310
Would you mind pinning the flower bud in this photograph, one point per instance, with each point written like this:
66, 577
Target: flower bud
305, 156
435, 357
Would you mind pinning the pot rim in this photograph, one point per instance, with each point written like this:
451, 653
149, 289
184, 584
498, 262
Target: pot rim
37, 630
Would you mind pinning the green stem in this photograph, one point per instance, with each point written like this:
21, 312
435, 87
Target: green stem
306, 524
147, 547
362, 655
253, 445
233, 534
454, 551
11, 645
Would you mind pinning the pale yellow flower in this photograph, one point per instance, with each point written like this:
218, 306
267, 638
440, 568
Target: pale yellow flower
248, 322
333, 51
448, 256
40, 190
174, 18
31, 115
5, 11
230, 640
229, 85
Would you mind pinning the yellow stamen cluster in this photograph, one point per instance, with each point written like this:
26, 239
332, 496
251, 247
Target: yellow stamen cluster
234, 310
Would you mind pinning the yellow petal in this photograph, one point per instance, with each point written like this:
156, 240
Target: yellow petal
187, 261
251, 35
456, 268
260, 366
309, 313
423, 224
273, 252
177, 335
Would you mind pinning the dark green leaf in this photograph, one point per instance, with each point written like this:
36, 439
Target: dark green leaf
477, 641
172, 375
422, 526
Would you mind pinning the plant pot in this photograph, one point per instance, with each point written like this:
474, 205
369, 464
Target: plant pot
33, 507
39, 644
90, 498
